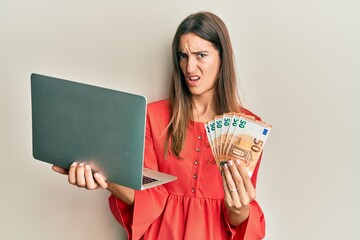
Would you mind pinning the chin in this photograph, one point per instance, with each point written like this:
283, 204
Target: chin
197, 94
200, 92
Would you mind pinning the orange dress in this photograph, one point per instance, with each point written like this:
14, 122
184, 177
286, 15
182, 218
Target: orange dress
190, 207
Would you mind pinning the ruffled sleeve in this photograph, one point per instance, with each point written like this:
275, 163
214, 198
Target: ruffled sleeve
136, 219
252, 228
148, 204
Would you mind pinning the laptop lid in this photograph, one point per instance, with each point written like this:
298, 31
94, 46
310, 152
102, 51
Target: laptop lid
78, 122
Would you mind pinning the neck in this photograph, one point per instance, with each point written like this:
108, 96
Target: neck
203, 108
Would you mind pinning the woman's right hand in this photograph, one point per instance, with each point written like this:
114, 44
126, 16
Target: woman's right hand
80, 174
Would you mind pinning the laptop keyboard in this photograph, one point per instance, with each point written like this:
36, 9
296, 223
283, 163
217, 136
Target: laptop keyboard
147, 180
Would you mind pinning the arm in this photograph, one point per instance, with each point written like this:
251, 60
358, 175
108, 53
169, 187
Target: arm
127, 195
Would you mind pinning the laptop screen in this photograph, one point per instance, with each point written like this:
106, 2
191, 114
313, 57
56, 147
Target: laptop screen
78, 122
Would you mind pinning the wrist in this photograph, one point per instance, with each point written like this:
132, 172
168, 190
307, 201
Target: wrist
127, 195
237, 217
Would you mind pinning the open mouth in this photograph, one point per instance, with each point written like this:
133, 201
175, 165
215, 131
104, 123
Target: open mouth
194, 78
192, 81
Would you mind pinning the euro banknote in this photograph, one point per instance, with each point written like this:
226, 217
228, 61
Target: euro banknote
235, 136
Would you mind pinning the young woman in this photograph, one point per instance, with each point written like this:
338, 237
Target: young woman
202, 203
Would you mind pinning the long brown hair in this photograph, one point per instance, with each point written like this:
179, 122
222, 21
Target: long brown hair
211, 28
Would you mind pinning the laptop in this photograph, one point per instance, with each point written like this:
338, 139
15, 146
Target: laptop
98, 126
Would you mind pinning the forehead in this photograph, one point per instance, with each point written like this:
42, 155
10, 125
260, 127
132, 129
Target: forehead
192, 42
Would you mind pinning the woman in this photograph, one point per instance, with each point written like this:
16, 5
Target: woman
201, 203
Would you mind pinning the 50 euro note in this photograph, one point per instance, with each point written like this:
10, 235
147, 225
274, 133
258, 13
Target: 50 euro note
235, 121
217, 130
243, 139
210, 133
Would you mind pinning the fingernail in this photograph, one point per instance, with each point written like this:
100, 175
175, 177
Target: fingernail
237, 162
225, 166
73, 164
87, 167
230, 162
81, 164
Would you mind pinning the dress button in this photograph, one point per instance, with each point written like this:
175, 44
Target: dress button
199, 137
196, 162
198, 149
192, 190
194, 176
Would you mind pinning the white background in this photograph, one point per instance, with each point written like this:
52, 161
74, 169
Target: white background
298, 64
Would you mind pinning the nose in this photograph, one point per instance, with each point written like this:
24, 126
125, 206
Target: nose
191, 65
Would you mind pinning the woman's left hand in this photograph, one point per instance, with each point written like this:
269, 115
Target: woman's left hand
238, 191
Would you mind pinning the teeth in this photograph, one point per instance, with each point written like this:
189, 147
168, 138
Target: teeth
194, 78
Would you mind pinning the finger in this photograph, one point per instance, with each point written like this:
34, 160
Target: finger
60, 170
242, 194
101, 180
80, 175
235, 173
230, 182
89, 179
226, 189
246, 180
72, 173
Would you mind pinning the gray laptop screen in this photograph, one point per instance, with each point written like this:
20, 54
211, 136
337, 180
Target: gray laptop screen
78, 122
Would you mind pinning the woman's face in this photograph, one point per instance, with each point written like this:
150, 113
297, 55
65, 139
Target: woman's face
200, 63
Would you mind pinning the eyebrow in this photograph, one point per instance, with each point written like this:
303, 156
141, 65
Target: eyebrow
197, 52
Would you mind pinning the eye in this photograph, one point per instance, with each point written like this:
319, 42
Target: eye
201, 55
182, 55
